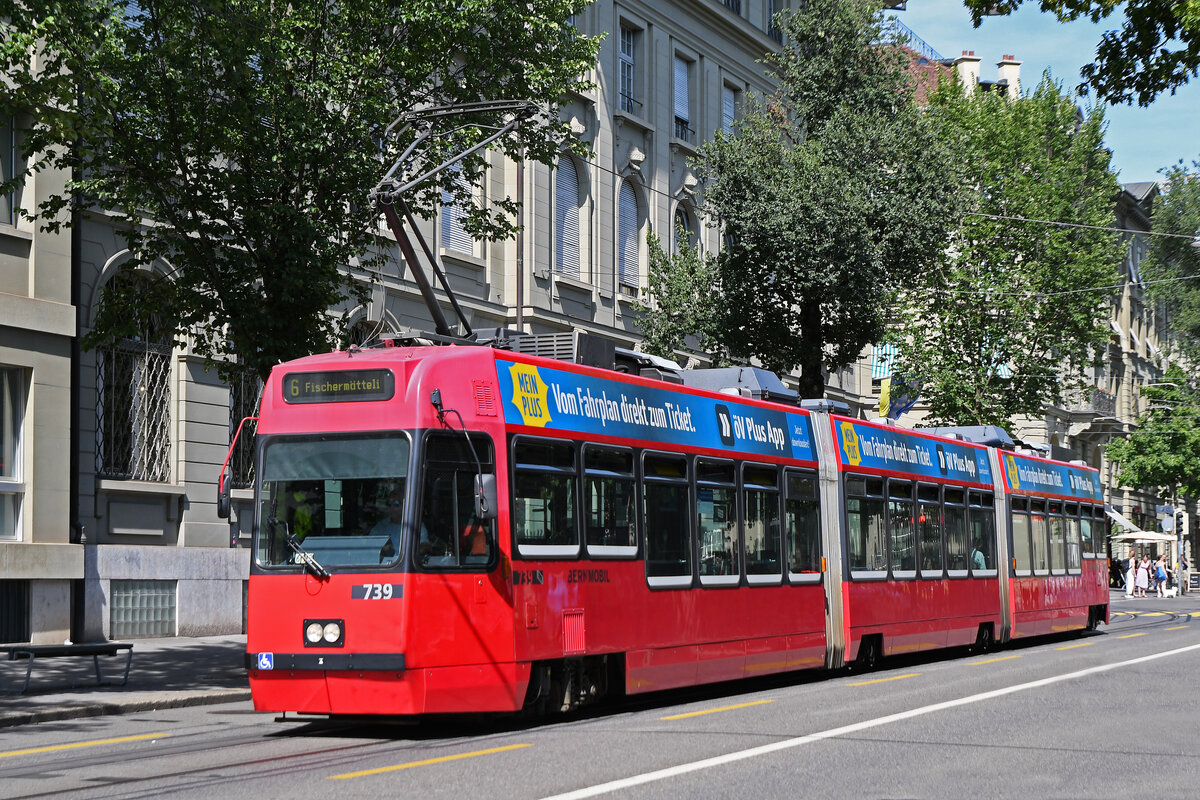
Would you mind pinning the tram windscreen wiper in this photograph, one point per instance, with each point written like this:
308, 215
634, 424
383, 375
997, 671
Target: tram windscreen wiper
302, 556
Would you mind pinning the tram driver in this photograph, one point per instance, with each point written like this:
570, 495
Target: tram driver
390, 524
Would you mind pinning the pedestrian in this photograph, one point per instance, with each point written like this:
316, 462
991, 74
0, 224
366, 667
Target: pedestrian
1160, 575
1182, 574
1142, 578
1130, 573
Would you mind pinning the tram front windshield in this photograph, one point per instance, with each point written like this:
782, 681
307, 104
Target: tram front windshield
342, 501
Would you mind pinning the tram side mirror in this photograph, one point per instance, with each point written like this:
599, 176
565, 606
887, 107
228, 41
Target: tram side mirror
223, 497
485, 497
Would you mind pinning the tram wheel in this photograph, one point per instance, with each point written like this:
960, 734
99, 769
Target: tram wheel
984, 639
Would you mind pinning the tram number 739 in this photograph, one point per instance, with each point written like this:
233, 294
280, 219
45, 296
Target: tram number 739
377, 591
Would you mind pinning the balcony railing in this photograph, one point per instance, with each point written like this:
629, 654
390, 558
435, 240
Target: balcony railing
629, 105
682, 131
733, 5
1092, 400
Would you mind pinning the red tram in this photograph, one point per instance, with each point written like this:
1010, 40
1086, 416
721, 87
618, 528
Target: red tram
465, 529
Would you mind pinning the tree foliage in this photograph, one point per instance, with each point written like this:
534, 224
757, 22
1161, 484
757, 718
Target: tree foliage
1157, 48
1163, 451
236, 141
1173, 266
830, 194
680, 288
1015, 310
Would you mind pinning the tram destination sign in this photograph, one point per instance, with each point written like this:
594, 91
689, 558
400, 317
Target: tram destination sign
555, 399
339, 386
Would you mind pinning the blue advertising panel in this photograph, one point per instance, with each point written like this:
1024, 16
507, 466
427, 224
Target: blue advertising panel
895, 450
555, 399
1025, 475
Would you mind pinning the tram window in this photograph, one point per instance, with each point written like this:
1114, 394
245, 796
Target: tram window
716, 522
544, 491
1074, 546
900, 525
983, 533
1057, 554
1089, 545
865, 527
803, 514
666, 520
760, 499
449, 535
929, 530
609, 506
329, 493
1040, 534
954, 522
1022, 552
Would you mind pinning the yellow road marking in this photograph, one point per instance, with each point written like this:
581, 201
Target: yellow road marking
1072, 646
992, 660
428, 761
1154, 614
882, 680
52, 748
716, 710
1130, 635
1176, 628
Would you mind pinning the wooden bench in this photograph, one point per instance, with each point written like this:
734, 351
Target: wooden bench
93, 649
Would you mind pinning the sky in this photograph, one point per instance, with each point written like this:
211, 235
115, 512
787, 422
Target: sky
1142, 140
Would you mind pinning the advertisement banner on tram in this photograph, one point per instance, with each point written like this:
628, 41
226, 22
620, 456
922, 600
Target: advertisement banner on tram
1025, 475
556, 399
895, 450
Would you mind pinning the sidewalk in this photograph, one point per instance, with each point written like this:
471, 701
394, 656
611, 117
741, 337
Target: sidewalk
165, 673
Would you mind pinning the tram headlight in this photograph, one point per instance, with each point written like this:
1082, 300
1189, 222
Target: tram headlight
324, 632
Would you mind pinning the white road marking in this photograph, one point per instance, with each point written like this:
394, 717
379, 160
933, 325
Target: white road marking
787, 744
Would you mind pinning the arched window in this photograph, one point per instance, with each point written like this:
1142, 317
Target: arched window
685, 222
133, 403
628, 249
566, 218
454, 234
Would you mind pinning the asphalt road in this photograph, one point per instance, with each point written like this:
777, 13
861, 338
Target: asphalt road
1105, 715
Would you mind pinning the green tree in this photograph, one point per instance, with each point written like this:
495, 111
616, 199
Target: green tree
1163, 451
829, 194
680, 290
1014, 310
1156, 50
1173, 266
237, 140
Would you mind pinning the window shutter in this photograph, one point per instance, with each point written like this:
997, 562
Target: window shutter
627, 236
681, 90
728, 97
566, 219
454, 235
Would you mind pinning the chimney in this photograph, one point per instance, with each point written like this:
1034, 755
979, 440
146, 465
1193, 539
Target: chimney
1009, 73
967, 67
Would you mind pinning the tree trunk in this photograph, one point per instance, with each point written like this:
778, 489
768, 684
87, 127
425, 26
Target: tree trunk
812, 375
